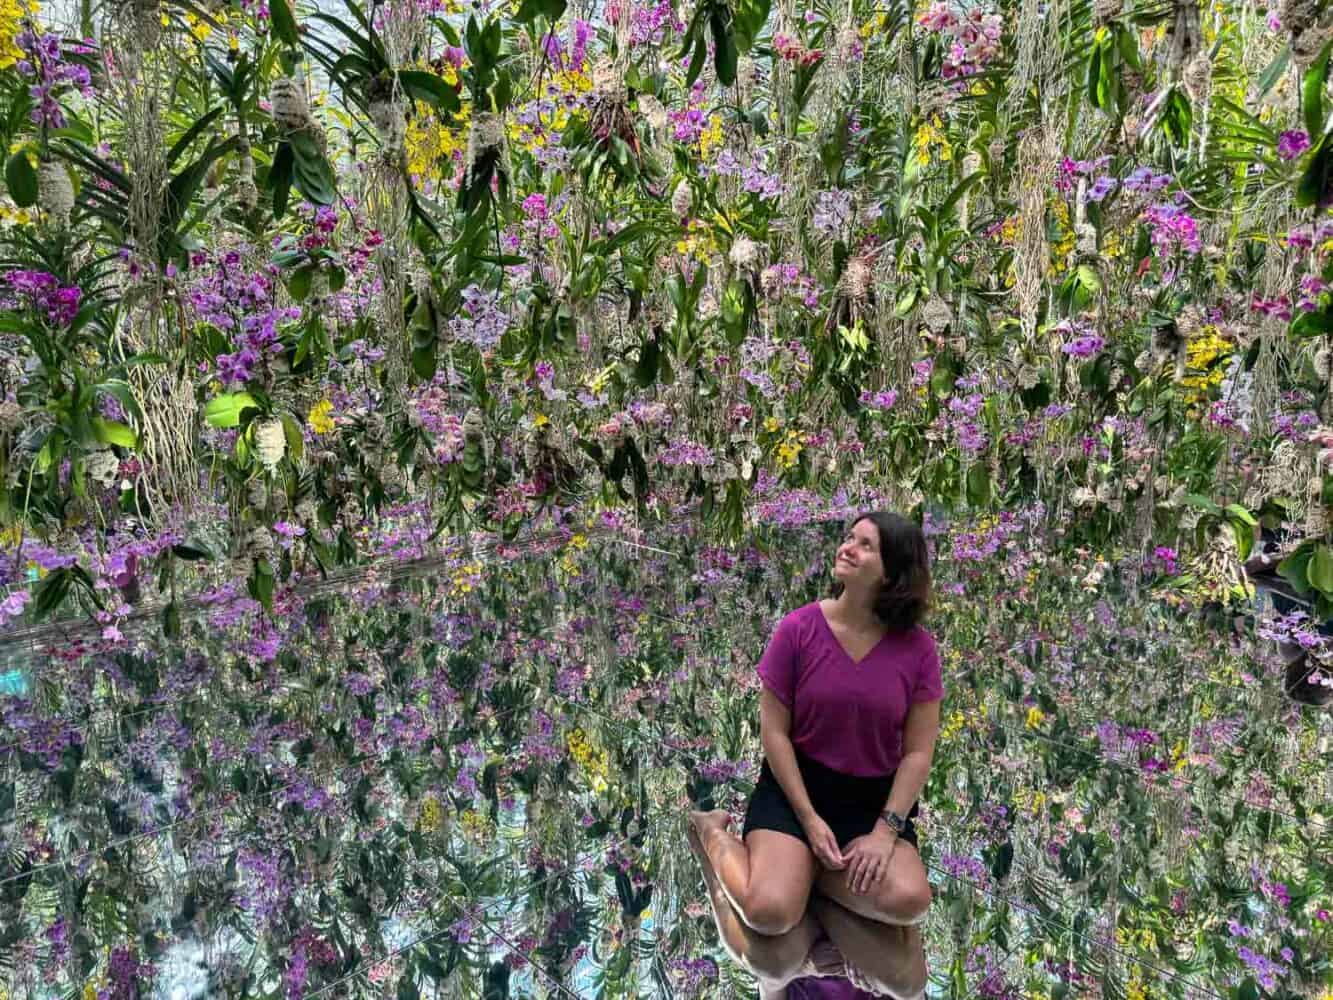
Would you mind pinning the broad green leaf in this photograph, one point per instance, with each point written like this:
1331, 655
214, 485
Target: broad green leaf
21, 179
225, 410
750, 16
292, 431
1241, 514
906, 300
298, 285
114, 432
1269, 78
192, 133
1315, 182
1312, 324
552, 10
1320, 570
1312, 93
433, 90
284, 22
280, 178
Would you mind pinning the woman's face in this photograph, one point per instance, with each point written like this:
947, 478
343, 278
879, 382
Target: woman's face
858, 556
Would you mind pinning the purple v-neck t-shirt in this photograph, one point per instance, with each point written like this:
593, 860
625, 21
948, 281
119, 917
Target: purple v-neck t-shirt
849, 715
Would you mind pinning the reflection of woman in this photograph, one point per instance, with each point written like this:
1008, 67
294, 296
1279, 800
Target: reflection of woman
804, 964
848, 718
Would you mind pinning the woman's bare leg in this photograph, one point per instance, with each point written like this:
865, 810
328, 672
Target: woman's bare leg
880, 958
901, 898
774, 961
767, 878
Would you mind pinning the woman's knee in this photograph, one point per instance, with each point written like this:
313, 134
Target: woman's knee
773, 913
777, 957
905, 900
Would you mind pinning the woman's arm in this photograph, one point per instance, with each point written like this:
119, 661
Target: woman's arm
775, 733
919, 734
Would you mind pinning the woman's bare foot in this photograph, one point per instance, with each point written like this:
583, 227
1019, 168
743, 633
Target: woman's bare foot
709, 824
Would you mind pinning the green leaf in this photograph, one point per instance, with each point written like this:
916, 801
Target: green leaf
1320, 570
750, 18
957, 193
1094, 74
292, 431
1269, 78
114, 432
724, 52
280, 178
50, 593
906, 300
181, 189
978, 485
21, 179
422, 86
646, 370
552, 10
171, 620
192, 133
143, 358
1294, 569
1312, 324
225, 410
1203, 503
312, 174
284, 22
1312, 93
697, 60
298, 285
1314, 184
1241, 514
1177, 118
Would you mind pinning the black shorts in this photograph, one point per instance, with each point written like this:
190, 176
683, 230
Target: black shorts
850, 805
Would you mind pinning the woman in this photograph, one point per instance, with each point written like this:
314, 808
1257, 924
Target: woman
848, 717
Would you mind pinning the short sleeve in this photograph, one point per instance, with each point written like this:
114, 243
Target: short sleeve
777, 667
929, 683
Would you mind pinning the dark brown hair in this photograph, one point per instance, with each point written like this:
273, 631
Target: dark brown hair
903, 601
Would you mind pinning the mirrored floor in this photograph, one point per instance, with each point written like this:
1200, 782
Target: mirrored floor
471, 778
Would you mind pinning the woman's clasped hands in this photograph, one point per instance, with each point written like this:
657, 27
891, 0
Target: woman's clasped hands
865, 859
823, 843
868, 858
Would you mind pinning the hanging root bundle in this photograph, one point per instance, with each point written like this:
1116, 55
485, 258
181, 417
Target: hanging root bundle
1032, 255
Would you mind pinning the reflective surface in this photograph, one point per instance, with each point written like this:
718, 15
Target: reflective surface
473, 781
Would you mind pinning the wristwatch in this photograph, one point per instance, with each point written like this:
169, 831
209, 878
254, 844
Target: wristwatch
896, 823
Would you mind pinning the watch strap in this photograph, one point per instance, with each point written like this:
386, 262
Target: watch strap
896, 823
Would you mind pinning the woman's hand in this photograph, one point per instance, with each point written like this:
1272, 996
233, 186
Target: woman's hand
824, 843
868, 858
